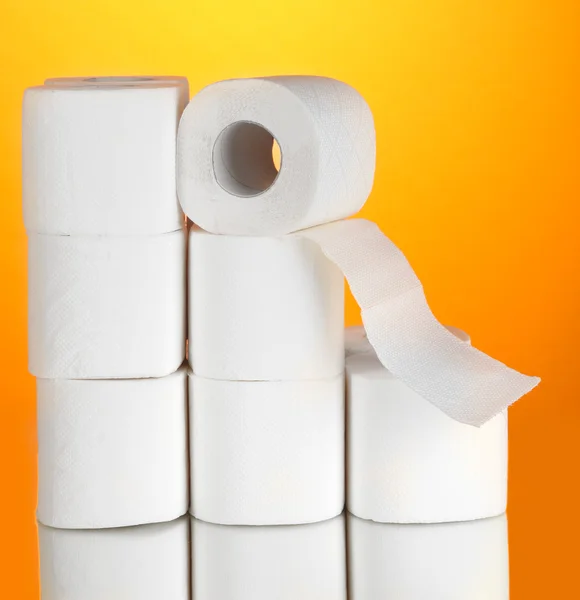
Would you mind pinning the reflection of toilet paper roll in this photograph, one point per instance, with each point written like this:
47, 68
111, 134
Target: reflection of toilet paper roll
229, 183
105, 307
266, 452
261, 563
409, 462
133, 563
263, 308
112, 452
448, 561
99, 157
227, 179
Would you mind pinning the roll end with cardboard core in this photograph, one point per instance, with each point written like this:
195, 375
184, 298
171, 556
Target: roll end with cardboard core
243, 160
299, 151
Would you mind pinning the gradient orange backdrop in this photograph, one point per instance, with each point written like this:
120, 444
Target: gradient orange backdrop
477, 107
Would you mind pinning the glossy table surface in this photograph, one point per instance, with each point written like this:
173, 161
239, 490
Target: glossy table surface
342, 558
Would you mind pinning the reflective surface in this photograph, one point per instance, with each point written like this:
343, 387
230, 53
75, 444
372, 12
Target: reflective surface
345, 557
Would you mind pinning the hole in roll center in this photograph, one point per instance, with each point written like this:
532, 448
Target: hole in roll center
246, 159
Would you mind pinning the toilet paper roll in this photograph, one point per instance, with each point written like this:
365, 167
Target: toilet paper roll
263, 308
227, 179
261, 563
266, 453
410, 463
133, 563
112, 453
228, 184
450, 561
106, 307
99, 158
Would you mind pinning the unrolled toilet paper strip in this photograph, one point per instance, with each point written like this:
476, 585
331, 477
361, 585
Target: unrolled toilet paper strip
148, 562
463, 382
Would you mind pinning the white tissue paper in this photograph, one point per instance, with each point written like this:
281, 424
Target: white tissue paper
112, 453
99, 158
227, 179
408, 462
228, 184
306, 562
131, 563
461, 381
449, 561
106, 307
263, 308
266, 452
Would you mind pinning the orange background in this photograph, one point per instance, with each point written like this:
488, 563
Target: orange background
477, 107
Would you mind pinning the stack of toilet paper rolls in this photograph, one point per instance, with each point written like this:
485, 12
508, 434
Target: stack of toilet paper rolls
266, 308
107, 253
267, 253
266, 345
267, 384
